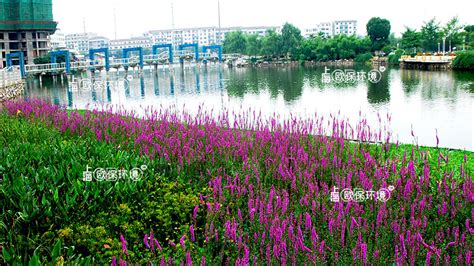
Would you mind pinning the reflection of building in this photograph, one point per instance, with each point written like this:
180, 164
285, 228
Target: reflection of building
328, 29
25, 26
202, 36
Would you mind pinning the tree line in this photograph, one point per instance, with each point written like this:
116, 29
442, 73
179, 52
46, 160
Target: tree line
290, 43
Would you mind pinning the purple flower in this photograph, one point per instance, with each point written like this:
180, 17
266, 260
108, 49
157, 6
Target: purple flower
189, 261
114, 261
145, 240
191, 232
124, 244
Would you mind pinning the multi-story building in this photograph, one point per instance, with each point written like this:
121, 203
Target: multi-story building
79, 42
143, 41
347, 27
25, 26
328, 29
201, 36
98, 42
58, 41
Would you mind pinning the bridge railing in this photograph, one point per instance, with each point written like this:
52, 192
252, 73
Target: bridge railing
9, 76
45, 67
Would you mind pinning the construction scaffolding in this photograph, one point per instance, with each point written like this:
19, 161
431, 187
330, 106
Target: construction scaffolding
26, 15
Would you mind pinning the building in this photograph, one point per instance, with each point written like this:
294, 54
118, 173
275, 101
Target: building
329, 29
80, 43
202, 36
142, 41
346, 27
98, 42
58, 41
25, 26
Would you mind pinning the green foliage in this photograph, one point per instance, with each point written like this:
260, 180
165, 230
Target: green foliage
46, 59
254, 45
452, 31
378, 30
464, 60
430, 35
235, 42
49, 214
411, 39
363, 58
272, 44
291, 40
393, 57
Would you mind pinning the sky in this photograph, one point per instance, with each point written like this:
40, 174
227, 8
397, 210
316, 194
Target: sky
139, 16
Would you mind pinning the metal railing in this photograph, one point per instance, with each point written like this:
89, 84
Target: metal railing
9, 76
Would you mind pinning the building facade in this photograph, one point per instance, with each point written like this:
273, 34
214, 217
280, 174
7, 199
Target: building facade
201, 36
25, 26
329, 29
58, 41
143, 41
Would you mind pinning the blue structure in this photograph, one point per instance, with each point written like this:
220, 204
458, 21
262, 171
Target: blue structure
161, 46
20, 57
66, 54
193, 45
126, 51
214, 47
92, 53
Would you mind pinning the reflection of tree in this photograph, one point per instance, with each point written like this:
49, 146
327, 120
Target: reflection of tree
293, 84
464, 79
410, 80
288, 81
379, 92
237, 85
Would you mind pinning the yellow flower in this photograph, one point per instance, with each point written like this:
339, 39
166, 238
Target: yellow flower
18, 112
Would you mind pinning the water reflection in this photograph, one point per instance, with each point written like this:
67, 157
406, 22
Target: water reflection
379, 92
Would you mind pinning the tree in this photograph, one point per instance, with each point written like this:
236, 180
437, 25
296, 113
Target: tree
235, 42
452, 31
411, 39
254, 45
272, 44
468, 37
378, 30
291, 40
430, 35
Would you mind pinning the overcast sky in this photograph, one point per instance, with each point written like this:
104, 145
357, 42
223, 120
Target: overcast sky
134, 17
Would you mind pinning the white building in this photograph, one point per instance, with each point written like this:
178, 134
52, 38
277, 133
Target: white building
347, 27
201, 36
79, 42
329, 29
58, 41
143, 41
98, 42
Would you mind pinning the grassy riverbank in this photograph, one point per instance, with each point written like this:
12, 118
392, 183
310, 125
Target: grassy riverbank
221, 195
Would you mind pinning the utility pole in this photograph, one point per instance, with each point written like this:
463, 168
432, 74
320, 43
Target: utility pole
172, 24
219, 20
115, 23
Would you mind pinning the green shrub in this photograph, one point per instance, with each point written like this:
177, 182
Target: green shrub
393, 58
362, 58
464, 61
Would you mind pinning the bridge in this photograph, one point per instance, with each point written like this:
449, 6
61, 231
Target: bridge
162, 54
